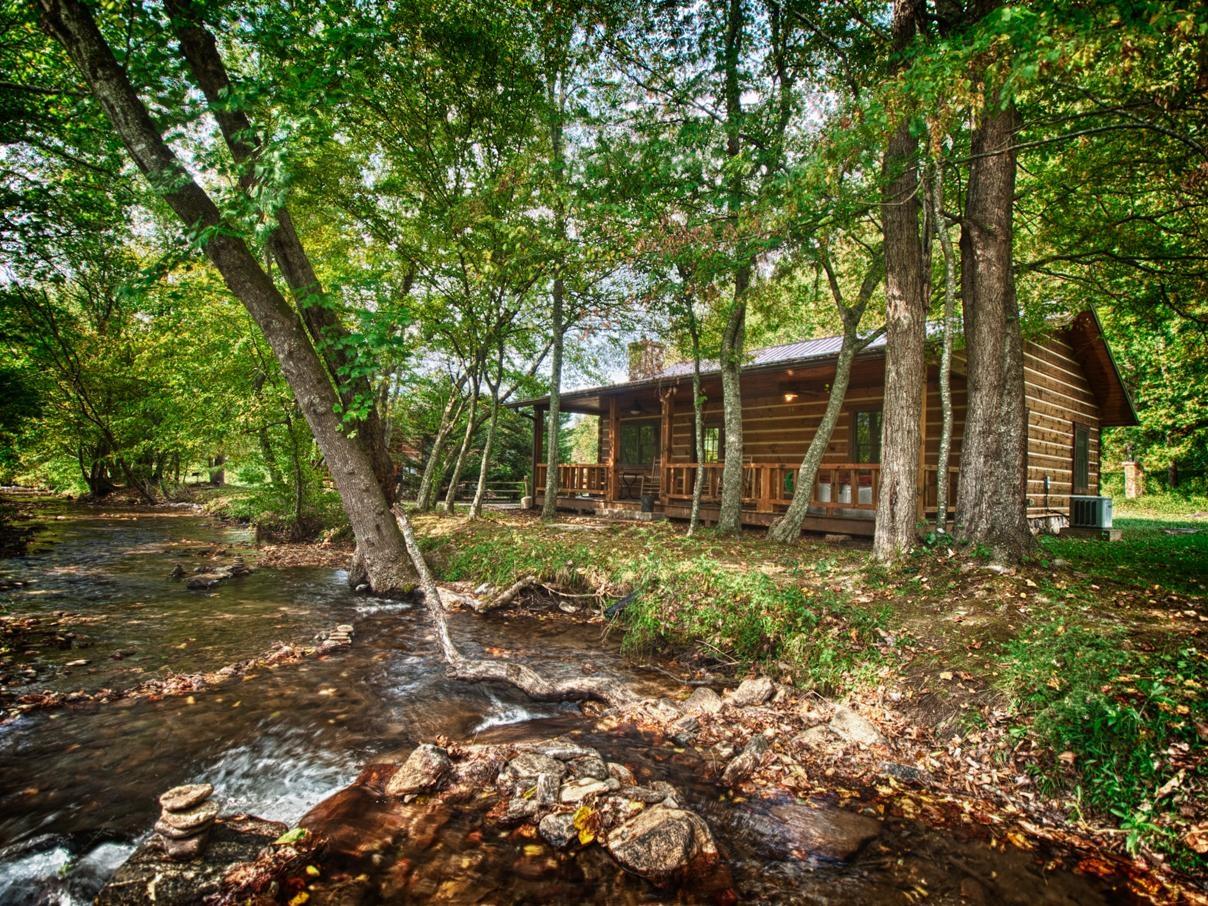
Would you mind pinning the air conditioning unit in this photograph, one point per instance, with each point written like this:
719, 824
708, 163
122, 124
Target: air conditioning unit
1091, 512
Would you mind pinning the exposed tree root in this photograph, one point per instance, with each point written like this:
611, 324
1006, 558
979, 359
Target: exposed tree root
505, 597
522, 677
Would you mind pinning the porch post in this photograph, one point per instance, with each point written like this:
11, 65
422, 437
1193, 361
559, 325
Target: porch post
666, 398
614, 442
538, 437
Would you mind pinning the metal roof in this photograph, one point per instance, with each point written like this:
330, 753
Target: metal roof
799, 352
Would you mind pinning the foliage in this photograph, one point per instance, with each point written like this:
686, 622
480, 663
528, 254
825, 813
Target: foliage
1128, 717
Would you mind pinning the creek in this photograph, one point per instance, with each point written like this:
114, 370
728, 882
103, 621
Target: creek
78, 785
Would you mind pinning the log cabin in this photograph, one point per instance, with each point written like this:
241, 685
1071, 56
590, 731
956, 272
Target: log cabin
645, 460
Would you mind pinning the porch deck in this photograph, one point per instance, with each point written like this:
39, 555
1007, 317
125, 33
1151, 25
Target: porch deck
843, 499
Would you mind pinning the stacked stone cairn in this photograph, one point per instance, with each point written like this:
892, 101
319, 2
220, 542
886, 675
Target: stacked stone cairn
341, 635
184, 823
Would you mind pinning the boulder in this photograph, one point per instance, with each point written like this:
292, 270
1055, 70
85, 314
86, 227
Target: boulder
184, 798
424, 768
661, 843
558, 830
784, 828
526, 767
703, 700
147, 878
752, 692
578, 790
746, 762
854, 728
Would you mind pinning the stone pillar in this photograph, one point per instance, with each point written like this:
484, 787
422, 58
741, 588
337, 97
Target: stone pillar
1134, 479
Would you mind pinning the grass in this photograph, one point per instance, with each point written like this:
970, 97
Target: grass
1099, 661
1116, 722
741, 603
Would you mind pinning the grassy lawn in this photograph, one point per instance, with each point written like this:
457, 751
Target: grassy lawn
1093, 654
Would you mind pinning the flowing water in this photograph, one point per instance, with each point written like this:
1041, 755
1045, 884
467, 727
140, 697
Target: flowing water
78, 785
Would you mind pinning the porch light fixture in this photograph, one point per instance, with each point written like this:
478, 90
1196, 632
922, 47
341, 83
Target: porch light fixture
635, 409
790, 392
790, 395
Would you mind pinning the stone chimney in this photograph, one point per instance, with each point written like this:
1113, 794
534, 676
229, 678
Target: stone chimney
646, 359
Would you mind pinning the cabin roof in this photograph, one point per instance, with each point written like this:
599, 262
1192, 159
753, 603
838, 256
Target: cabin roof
1084, 332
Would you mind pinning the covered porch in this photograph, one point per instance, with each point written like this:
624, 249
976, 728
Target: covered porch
646, 462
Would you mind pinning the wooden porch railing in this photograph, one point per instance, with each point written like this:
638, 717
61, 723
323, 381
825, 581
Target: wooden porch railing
765, 486
769, 485
577, 478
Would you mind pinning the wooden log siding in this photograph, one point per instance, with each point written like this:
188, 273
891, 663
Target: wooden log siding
1058, 397
777, 432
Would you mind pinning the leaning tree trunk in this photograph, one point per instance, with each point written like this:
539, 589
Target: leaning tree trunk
788, 527
201, 54
992, 491
381, 554
945, 376
905, 329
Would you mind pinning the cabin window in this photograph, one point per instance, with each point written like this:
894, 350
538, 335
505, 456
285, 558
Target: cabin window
1082, 459
639, 442
714, 450
866, 436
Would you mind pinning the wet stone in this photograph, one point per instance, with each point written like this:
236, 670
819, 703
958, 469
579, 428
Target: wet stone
527, 766
589, 766
564, 749
193, 819
746, 762
578, 790
621, 774
547, 790
661, 843
423, 769
558, 830
183, 798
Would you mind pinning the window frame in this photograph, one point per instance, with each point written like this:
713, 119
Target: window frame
721, 443
1083, 488
877, 442
638, 424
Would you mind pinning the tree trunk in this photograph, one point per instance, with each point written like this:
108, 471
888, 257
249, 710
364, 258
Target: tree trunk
485, 466
460, 463
510, 671
381, 554
992, 491
788, 527
698, 421
549, 506
448, 419
945, 377
906, 328
729, 519
205, 63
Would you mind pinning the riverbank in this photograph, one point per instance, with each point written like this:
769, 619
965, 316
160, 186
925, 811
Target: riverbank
1070, 690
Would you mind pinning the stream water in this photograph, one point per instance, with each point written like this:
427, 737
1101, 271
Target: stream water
78, 785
